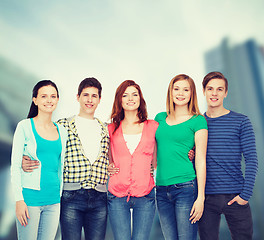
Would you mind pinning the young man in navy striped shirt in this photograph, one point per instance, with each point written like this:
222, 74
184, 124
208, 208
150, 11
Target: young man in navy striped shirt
230, 135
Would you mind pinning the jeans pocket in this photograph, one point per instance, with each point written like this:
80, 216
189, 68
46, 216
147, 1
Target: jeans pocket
151, 195
110, 196
241, 206
185, 184
102, 196
68, 195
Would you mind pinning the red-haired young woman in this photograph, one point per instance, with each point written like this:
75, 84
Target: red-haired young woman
132, 141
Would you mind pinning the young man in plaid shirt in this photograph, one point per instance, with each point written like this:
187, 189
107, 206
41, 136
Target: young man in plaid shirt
84, 197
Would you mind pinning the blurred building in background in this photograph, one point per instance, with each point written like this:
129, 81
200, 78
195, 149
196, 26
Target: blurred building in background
243, 65
15, 98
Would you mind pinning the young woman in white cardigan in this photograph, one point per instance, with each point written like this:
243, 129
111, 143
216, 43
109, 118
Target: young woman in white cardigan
37, 193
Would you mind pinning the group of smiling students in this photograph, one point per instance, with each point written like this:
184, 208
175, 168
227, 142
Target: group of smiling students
60, 170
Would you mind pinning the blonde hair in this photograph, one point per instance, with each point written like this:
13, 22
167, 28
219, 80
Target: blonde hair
192, 104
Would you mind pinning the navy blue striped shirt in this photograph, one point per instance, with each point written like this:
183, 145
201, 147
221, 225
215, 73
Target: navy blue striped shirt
230, 136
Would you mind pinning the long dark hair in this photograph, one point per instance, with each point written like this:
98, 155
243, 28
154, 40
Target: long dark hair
118, 112
33, 111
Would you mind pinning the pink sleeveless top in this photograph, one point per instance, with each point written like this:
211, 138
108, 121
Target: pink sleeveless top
134, 177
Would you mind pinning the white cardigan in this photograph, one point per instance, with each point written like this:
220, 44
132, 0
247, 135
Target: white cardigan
24, 143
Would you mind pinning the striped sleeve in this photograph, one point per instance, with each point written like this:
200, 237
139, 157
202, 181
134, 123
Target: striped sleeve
248, 146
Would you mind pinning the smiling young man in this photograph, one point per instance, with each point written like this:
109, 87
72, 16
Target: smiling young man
230, 135
84, 197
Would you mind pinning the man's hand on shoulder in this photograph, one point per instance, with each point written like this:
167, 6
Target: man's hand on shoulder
29, 165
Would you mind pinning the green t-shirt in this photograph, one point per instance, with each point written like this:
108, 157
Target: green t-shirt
173, 144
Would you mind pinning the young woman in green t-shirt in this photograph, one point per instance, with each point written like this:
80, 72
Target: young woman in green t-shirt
181, 128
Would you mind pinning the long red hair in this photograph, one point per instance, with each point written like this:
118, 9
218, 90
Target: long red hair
117, 114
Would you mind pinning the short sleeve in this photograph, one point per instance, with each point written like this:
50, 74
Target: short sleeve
160, 117
200, 123
110, 128
154, 124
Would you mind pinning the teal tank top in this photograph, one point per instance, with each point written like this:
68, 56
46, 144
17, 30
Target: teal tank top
49, 154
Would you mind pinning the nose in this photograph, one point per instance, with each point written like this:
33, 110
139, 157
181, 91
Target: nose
89, 98
214, 92
180, 93
130, 97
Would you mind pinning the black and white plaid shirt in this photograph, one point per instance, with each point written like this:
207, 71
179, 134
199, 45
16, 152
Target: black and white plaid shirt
77, 167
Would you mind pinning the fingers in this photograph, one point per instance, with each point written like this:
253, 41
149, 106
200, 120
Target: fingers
191, 214
196, 218
27, 214
29, 165
191, 155
23, 220
196, 212
232, 201
22, 213
237, 199
27, 158
195, 215
152, 171
112, 169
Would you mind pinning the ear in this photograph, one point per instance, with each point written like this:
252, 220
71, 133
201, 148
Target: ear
34, 101
226, 93
78, 97
203, 92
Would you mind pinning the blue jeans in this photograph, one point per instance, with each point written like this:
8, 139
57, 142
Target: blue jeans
42, 224
174, 204
238, 218
142, 216
83, 208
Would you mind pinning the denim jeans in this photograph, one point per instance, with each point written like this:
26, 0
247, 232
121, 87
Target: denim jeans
83, 208
238, 218
42, 224
174, 204
143, 211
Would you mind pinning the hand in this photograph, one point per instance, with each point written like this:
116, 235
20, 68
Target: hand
237, 199
152, 171
112, 169
22, 212
29, 165
197, 211
191, 154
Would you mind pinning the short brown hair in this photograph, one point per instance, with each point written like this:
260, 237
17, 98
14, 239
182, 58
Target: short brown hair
90, 82
193, 103
214, 75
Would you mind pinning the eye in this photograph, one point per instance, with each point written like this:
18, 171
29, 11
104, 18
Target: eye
186, 90
124, 95
95, 96
135, 94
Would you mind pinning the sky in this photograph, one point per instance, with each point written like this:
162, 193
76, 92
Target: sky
149, 41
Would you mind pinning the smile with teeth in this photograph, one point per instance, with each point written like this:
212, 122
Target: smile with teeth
130, 103
89, 105
180, 98
213, 99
